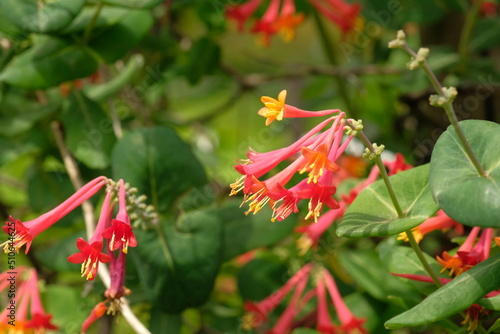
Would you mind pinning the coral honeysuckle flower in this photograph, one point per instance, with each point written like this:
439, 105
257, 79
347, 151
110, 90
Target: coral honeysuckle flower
120, 232
340, 13
398, 165
288, 20
242, 12
98, 311
348, 322
468, 254
117, 272
89, 256
324, 322
318, 196
27, 231
285, 321
277, 109
261, 163
440, 222
267, 25
313, 232
317, 161
91, 252
258, 312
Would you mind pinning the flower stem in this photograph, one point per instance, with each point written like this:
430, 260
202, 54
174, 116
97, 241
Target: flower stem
397, 206
423, 260
91, 24
450, 112
463, 44
383, 172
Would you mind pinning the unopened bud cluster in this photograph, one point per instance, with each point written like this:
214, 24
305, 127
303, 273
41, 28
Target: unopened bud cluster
140, 213
449, 94
415, 62
356, 127
374, 152
399, 41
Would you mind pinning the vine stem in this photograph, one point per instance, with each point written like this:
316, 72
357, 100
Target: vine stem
88, 215
397, 206
463, 44
450, 112
91, 24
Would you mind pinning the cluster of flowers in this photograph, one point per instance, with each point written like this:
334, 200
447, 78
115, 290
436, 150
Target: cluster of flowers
25, 313
320, 154
118, 233
281, 16
322, 282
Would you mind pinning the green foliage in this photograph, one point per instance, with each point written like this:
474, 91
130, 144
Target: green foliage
49, 62
372, 213
453, 297
140, 159
456, 185
178, 261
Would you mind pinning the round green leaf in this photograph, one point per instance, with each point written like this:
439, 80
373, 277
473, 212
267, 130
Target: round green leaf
133, 3
456, 186
158, 163
372, 213
89, 131
48, 63
453, 297
243, 233
40, 16
179, 261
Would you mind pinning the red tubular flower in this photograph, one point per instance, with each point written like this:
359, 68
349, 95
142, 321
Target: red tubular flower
257, 312
342, 14
242, 12
440, 222
117, 272
98, 311
288, 20
120, 233
313, 232
267, 25
91, 252
398, 165
277, 109
89, 256
40, 321
285, 321
348, 322
468, 255
27, 231
324, 323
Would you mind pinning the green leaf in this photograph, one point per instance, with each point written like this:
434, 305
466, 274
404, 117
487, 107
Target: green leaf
203, 58
372, 213
491, 303
143, 4
67, 306
40, 16
369, 272
179, 261
243, 233
456, 185
114, 85
485, 35
260, 277
305, 331
158, 163
453, 297
162, 322
48, 63
108, 16
88, 130
114, 42
21, 121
